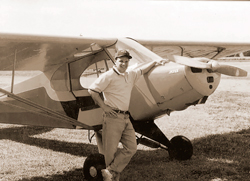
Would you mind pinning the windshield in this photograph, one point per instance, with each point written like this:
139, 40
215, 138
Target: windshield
139, 53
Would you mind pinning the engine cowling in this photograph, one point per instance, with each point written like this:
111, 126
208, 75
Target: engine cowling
171, 87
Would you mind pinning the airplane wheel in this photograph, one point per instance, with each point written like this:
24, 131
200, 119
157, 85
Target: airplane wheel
182, 148
92, 167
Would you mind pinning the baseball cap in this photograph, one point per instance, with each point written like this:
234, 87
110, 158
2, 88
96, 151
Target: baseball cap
122, 53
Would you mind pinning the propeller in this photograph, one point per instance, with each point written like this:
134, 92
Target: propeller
205, 63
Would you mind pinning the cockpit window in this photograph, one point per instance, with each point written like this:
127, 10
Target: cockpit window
94, 71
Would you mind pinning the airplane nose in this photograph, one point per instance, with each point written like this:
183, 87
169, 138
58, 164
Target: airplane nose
202, 80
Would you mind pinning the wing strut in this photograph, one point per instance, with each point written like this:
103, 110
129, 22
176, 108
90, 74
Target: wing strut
48, 111
109, 55
13, 72
219, 50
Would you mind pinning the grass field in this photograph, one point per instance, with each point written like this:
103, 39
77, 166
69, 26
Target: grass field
219, 131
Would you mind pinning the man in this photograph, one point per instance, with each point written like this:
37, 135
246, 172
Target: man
116, 86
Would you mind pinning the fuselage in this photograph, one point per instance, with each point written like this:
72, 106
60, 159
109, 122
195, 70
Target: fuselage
171, 87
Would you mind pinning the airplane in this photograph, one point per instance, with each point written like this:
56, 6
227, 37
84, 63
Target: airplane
58, 96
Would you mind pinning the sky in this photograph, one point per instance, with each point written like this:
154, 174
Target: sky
214, 21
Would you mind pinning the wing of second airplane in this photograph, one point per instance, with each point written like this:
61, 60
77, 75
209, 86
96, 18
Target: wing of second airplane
212, 50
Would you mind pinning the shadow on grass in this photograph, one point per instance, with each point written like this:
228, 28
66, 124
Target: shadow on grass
75, 175
220, 156
23, 135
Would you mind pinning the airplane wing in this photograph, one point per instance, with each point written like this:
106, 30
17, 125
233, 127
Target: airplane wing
211, 50
43, 53
33, 52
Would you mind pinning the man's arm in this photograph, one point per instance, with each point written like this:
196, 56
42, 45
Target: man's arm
101, 103
146, 68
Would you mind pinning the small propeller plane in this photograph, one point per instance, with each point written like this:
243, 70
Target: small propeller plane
58, 96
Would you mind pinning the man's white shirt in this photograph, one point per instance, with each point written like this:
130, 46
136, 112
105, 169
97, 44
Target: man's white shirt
116, 87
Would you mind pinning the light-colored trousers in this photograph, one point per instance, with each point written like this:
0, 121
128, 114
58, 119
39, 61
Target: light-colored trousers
115, 130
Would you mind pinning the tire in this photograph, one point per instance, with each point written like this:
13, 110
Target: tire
181, 148
92, 167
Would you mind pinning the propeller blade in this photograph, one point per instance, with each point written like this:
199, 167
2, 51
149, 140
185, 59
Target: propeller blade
190, 62
231, 70
205, 63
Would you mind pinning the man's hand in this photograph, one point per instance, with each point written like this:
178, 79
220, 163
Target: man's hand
147, 67
108, 110
162, 62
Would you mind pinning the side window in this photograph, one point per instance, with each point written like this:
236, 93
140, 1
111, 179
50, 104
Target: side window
94, 71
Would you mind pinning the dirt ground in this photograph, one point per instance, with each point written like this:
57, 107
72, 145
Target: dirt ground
219, 131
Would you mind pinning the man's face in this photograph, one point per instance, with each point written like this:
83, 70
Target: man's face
122, 64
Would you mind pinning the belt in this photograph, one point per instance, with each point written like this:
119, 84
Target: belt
122, 112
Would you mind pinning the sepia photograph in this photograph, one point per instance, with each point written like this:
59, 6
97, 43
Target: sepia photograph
124, 90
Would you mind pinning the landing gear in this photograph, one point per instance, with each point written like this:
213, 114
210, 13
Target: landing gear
92, 167
181, 148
